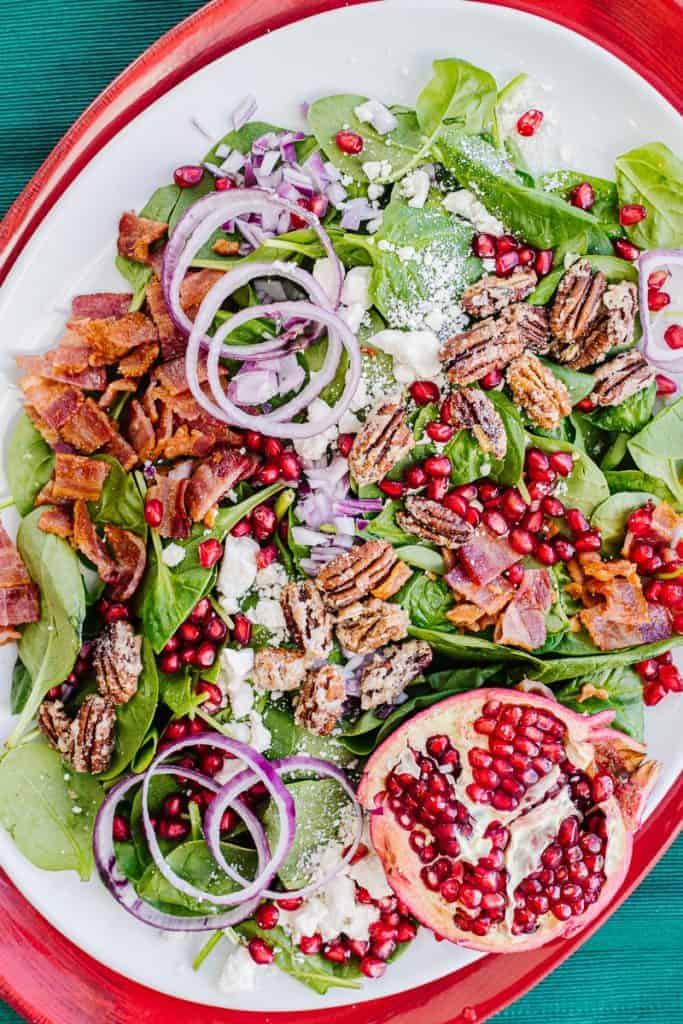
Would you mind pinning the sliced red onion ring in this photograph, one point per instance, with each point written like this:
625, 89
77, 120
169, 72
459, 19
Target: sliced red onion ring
656, 350
282, 799
124, 892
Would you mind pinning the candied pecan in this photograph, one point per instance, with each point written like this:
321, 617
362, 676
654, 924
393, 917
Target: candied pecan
491, 294
383, 440
362, 628
433, 522
308, 620
94, 734
489, 345
361, 571
471, 409
319, 705
621, 377
613, 328
535, 387
117, 663
390, 670
532, 322
276, 668
55, 725
577, 305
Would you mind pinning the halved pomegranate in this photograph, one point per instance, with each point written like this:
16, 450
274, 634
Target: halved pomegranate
503, 819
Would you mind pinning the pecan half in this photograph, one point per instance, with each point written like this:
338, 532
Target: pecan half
308, 620
362, 628
94, 733
471, 409
384, 439
491, 293
535, 387
370, 568
533, 325
489, 345
619, 378
613, 328
55, 725
117, 662
276, 668
389, 671
319, 705
433, 522
577, 305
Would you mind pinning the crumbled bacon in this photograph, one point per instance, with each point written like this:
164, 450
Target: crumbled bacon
46, 496
172, 495
77, 477
44, 429
19, 602
172, 342
112, 338
54, 403
139, 430
136, 234
13, 572
485, 557
130, 555
120, 450
616, 613
523, 623
490, 598
88, 429
72, 354
90, 379
114, 389
215, 477
59, 521
139, 360
100, 304
88, 543
196, 285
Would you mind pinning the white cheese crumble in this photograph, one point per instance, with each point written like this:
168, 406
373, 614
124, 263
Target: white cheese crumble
239, 972
415, 353
268, 613
237, 572
311, 448
375, 113
356, 287
466, 205
415, 188
173, 555
369, 874
375, 191
327, 277
373, 169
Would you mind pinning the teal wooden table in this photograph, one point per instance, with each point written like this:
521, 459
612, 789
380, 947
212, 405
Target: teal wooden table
56, 56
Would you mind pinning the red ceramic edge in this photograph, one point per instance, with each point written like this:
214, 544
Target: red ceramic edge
52, 981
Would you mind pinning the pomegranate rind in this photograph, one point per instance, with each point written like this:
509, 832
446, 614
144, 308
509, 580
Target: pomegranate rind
593, 746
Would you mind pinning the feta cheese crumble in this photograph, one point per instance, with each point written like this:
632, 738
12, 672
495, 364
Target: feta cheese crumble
311, 448
237, 572
239, 972
466, 205
415, 353
373, 169
415, 188
173, 555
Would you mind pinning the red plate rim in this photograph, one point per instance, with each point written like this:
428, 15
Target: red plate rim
44, 975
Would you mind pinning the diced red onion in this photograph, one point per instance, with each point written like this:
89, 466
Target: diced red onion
336, 193
253, 387
234, 163
345, 524
355, 211
655, 349
352, 506
310, 567
309, 538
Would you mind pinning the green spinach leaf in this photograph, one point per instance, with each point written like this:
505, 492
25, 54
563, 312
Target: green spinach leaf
586, 486
385, 526
652, 176
21, 687
658, 448
29, 463
631, 415
579, 385
120, 502
425, 600
611, 516
314, 970
422, 557
624, 691
634, 480
606, 205
458, 92
194, 863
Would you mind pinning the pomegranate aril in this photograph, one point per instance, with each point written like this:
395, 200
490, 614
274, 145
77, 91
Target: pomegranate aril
438, 466
268, 474
406, 930
188, 175
345, 443
527, 255
358, 947
583, 196
625, 250
484, 246
436, 490
665, 385
491, 380
290, 466
423, 392
241, 629
632, 213
521, 541
529, 122
543, 263
267, 916
169, 663
309, 944
602, 787
349, 142
506, 263
588, 541
154, 512
545, 553
657, 300
450, 890
564, 549
372, 966
120, 829
673, 336
440, 432
495, 522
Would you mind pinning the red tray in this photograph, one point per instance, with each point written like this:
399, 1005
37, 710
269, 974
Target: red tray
43, 975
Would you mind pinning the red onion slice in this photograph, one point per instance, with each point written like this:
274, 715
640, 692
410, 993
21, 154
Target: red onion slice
656, 352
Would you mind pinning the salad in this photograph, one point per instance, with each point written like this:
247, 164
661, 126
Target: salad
351, 540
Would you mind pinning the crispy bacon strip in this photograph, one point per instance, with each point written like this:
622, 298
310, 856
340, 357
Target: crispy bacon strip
136, 234
112, 391
72, 354
139, 430
90, 379
172, 495
120, 450
44, 429
522, 624
59, 521
609, 635
196, 285
13, 572
112, 338
490, 598
88, 429
100, 304
19, 605
78, 478
54, 403
485, 557
171, 340
214, 477
88, 543
130, 554
140, 360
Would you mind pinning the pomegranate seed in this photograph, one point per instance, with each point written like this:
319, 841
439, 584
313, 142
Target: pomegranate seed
189, 633
564, 549
484, 246
210, 763
671, 595
209, 552
512, 505
264, 522
626, 250
506, 263
169, 663
436, 491
200, 610
586, 405
529, 122
115, 612
657, 279
242, 529
415, 476
337, 952
188, 175
665, 659
120, 829
456, 503
349, 142
440, 432
647, 670
290, 904
506, 243
561, 462
268, 474
665, 385
260, 952
154, 512
241, 630
372, 966
673, 336
345, 443
653, 693
406, 930
536, 462
588, 541
213, 693
491, 380
546, 553
521, 541
488, 492
392, 488
224, 184
173, 830
670, 678
289, 466
309, 944
602, 787
267, 916
583, 196
495, 522
423, 392
678, 623
272, 448
253, 440
516, 574
438, 466
657, 300
205, 655
553, 507
266, 556
173, 805
632, 214
527, 255
543, 263
576, 520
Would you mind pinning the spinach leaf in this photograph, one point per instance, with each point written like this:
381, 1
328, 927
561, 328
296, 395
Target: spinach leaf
21, 687
624, 691
606, 205
159, 207
631, 415
313, 970
653, 176
287, 738
555, 670
579, 385
120, 502
177, 693
385, 526
425, 600
48, 809
470, 461
634, 480
422, 557
615, 454
610, 517
459, 680
48, 648
194, 863
473, 649
586, 486
458, 92
29, 463
542, 219
658, 448
588, 437
134, 718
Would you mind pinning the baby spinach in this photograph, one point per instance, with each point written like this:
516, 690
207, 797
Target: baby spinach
425, 600
312, 970
48, 648
474, 649
586, 486
48, 809
629, 416
615, 454
28, 463
555, 670
120, 502
588, 437
134, 719
606, 205
194, 863
652, 176
579, 385
21, 687
177, 693
385, 526
288, 738
634, 480
540, 218
458, 93
624, 690
611, 516
658, 448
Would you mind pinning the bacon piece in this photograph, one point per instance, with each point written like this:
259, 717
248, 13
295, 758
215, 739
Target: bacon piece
173, 343
140, 360
19, 605
666, 524
55, 403
88, 543
112, 391
172, 377
79, 478
90, 379
120, 450
139, 430
48, 433
136, 234
88, 429
72, 354
491, 598
13, 572
59, 521
46, 496
485, 557
111, 339
469, 617
100, 304
609, 635
214, 477
172, 495
196, 285
8, 636
522, 624
156, 259
129, 551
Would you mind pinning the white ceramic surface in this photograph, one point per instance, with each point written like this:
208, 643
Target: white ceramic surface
602, 109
